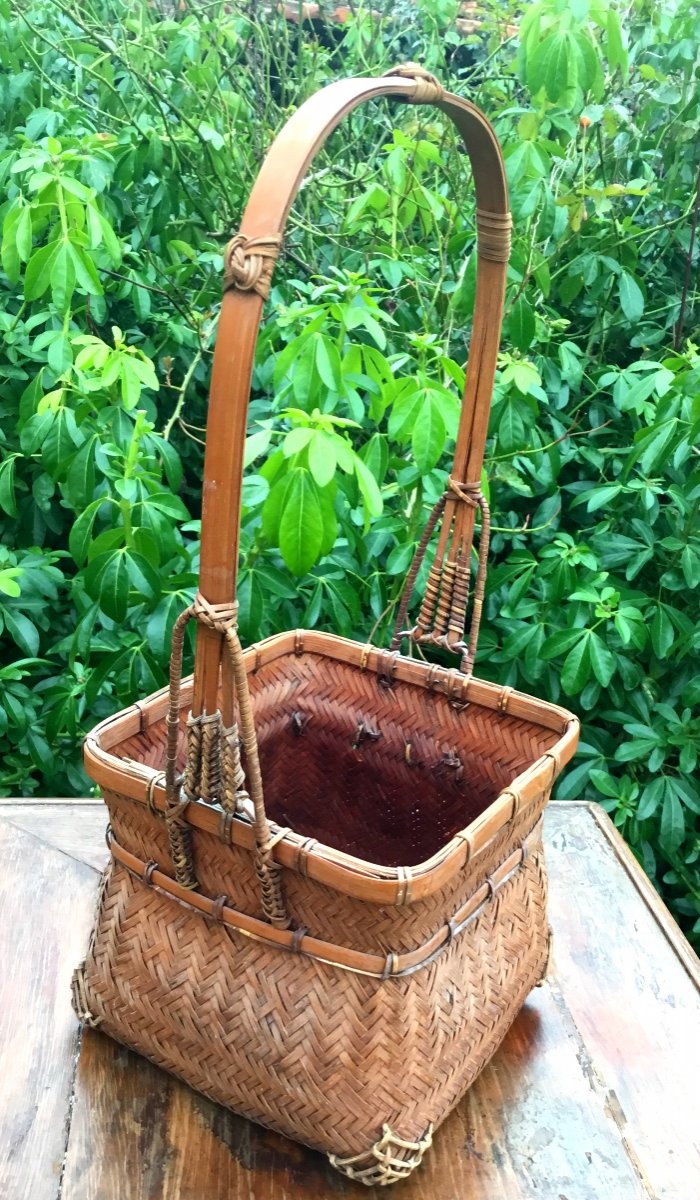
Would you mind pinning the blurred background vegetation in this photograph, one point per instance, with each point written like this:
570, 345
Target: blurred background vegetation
130, 136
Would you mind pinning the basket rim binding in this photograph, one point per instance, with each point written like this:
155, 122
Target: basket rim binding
343, 872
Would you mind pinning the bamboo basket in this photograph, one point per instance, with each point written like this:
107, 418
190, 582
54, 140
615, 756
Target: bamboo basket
338, 957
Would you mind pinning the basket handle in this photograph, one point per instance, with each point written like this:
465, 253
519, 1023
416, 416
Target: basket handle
249, 262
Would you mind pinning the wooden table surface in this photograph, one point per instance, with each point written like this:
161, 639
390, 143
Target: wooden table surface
594, 1095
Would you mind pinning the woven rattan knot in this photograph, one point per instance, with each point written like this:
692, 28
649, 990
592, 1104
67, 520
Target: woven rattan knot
249, 263
493, 235
428, 89
220, 617
470, 493
389, 1160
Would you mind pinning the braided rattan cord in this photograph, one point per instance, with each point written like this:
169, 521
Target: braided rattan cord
213, 758
442, 615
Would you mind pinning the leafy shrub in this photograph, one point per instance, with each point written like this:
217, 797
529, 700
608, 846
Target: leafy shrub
131, 136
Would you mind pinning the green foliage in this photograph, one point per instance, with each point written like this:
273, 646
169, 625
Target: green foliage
130, 136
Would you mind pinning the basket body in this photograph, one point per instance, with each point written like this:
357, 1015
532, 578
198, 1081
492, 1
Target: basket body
327, 909
329, 1052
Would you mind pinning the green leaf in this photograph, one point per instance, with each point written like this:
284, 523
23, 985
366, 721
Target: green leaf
85, 270
7, 485
142, 577
8, 581
107, 581
60, 354
62, 277
61, 441
251, 605
159, 627
328, 362
301, 522
369, 489
690, 566
11, 261
554, 65
22, 631
255, 445
561, 642
297, 440
330, 520
322, 457
81, 532
272, 509
429, 434
254, 491
617, 54
511, 427
650, 799
521, 324
23, 234
662, 633
37, 277
577, 666
672, 830
631, 297
79, 484
600, 497
602, 660
130, 383
171, 505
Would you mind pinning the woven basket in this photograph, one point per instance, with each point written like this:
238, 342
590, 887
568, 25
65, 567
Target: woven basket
339, 958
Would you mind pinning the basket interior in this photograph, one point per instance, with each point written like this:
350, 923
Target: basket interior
386, 773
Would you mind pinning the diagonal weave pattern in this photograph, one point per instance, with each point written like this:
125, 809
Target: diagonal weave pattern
326, 1056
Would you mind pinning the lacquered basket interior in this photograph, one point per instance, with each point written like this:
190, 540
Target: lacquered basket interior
386, 773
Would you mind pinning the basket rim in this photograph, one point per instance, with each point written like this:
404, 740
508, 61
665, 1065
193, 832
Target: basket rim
343, 872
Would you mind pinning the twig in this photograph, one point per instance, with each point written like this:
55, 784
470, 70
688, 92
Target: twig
175, 416
678, 335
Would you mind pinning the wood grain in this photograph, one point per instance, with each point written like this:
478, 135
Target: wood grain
46, 902
591, 1096
76, 827
635, 1009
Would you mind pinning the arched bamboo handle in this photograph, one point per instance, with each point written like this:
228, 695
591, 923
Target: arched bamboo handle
250, 258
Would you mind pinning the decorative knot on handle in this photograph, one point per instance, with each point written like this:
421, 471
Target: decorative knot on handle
249, 263
493, 234
220, 617
468, 492
428, 90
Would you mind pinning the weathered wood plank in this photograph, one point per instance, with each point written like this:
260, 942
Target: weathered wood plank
632, 999
47, 902
76, 828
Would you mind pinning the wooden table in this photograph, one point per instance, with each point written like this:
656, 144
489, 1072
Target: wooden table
594, 1094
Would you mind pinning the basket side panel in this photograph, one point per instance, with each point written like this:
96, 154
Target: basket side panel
319, 1054
225, 869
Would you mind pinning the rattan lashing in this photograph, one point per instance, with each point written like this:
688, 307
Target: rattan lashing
346, 948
